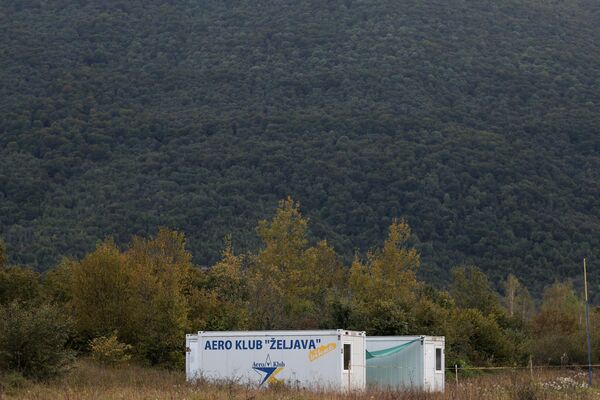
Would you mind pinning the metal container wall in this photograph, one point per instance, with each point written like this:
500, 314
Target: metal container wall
305, 359
413, 367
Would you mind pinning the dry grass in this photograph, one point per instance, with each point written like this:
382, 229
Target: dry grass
89, 381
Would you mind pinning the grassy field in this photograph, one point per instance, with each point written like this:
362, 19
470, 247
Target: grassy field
91, 381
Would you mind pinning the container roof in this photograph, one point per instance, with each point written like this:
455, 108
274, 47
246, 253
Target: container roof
342, 332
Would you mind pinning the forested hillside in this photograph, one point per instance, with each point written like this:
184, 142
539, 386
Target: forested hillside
477, 122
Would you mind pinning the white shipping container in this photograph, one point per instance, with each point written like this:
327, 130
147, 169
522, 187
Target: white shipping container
406, 362
327, 360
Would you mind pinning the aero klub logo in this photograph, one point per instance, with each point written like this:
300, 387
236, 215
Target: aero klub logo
268, 370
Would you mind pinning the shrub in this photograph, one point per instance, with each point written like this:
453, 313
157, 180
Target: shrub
109, 351
19, 283
12, 382
33, 340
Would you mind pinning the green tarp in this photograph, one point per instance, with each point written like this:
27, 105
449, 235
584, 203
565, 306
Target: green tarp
390, 351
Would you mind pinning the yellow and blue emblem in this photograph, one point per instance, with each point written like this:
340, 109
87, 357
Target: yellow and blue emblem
268, 370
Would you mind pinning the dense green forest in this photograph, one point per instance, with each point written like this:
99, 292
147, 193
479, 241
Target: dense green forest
477, 122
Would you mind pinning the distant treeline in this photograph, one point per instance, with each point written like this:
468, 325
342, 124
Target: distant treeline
140, 301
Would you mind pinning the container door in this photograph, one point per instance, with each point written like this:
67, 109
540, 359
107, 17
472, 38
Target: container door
346, 365
191, 361
434, 367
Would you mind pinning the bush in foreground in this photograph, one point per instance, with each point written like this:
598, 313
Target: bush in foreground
109, 351
33, 340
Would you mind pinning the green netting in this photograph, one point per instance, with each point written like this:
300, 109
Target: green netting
390, 351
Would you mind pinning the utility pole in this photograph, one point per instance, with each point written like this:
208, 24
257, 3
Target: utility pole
587, 324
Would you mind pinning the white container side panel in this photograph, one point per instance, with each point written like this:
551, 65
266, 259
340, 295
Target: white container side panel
358, 370
429, 370
192, 364
435, 364
402, 370
353, 373
439, 363
298, 358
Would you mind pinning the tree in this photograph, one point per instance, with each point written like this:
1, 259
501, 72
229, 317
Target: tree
291, 283
477, 338
217, 298
227, 276
324, 284
559, 326
470, 288
561, 310
19, 283
158, 268
102, 294
397, 264
284, 237
33, 340
433, 311
511, 288
524, 305
382, 290
278, 271
58, 283
517, 299
139, 293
